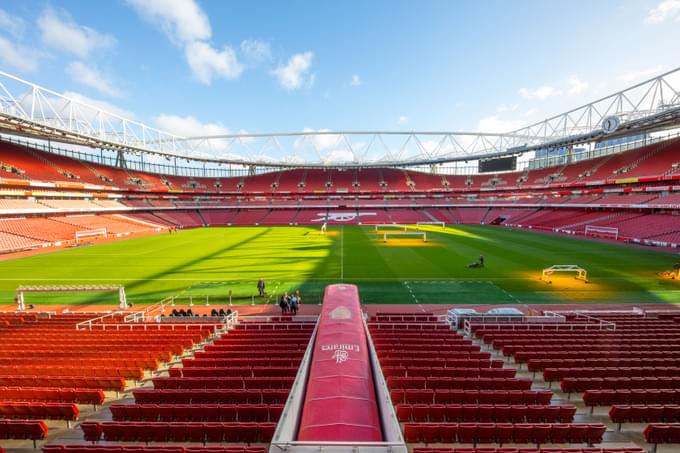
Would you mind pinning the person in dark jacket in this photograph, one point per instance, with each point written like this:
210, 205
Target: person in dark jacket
284, 303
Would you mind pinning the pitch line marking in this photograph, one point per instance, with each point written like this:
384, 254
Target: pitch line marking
414, 296
342, 253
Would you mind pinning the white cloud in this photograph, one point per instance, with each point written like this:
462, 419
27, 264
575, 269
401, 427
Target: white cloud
329, 148
507, 108
18, 56
356, 80
318, 142
100, 104
541, 93
402, 119
90, 76
13, 25
337, 156
573, 85
529, 113
576, 85
497, 124
59, 31
182, 21
188, 126
207, 63
255, 50
294, 74
188, 27
643, 74
667, 9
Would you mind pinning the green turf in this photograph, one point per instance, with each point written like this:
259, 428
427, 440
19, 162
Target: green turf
215, 261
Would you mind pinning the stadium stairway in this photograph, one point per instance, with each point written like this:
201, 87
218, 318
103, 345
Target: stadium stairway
66, 430
205, 408
422, 422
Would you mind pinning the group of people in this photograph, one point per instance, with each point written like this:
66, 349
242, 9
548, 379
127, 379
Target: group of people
290, 304
188, 312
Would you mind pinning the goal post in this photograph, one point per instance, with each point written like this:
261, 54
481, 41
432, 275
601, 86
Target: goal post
419, 224
387, 234
381, 226
22, 290
601, 231
84, 235
581, 273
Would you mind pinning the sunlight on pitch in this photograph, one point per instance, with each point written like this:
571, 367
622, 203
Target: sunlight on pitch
403, 242
569, 288
450, 231
283, 253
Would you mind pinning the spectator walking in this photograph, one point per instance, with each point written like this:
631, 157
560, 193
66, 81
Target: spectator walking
284, 303
293, 305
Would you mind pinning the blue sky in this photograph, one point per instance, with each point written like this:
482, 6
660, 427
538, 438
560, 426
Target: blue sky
198, 67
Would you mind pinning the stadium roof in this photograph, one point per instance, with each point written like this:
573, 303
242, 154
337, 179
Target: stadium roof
30, 110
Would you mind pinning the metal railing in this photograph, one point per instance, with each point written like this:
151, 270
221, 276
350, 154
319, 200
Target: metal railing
99, 320
232, 299
147, 326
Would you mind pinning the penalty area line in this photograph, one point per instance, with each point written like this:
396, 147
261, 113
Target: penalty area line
410, 290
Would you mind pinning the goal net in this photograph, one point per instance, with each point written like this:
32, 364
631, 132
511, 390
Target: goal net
419, 224
90, 235
21, 292
600, 231
389, 234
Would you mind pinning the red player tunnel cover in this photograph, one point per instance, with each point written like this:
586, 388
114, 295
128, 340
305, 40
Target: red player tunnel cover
340, 402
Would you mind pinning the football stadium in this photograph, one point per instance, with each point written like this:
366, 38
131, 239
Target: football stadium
342, 269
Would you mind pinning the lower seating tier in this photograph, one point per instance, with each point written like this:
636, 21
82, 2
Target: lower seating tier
52, 394
527, 450
151, 449
51, 411
211, 396
504, 433
461, 396
197, 412
645, 413
577, 385
627, 396
485, 413
662, 433
23, 429
110, 383
247, 432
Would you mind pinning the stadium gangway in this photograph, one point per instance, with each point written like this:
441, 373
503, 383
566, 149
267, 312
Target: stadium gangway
412, 326
592, 317
456, 319
148, 311
284, 439
225, 323
272, 318
542, 325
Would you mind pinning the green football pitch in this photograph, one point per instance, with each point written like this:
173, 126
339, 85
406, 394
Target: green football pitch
214, 261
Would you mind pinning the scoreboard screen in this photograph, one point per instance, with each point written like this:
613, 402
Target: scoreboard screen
498, 164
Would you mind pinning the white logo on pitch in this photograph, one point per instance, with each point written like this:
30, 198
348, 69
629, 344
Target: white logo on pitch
341, 216
340, 356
